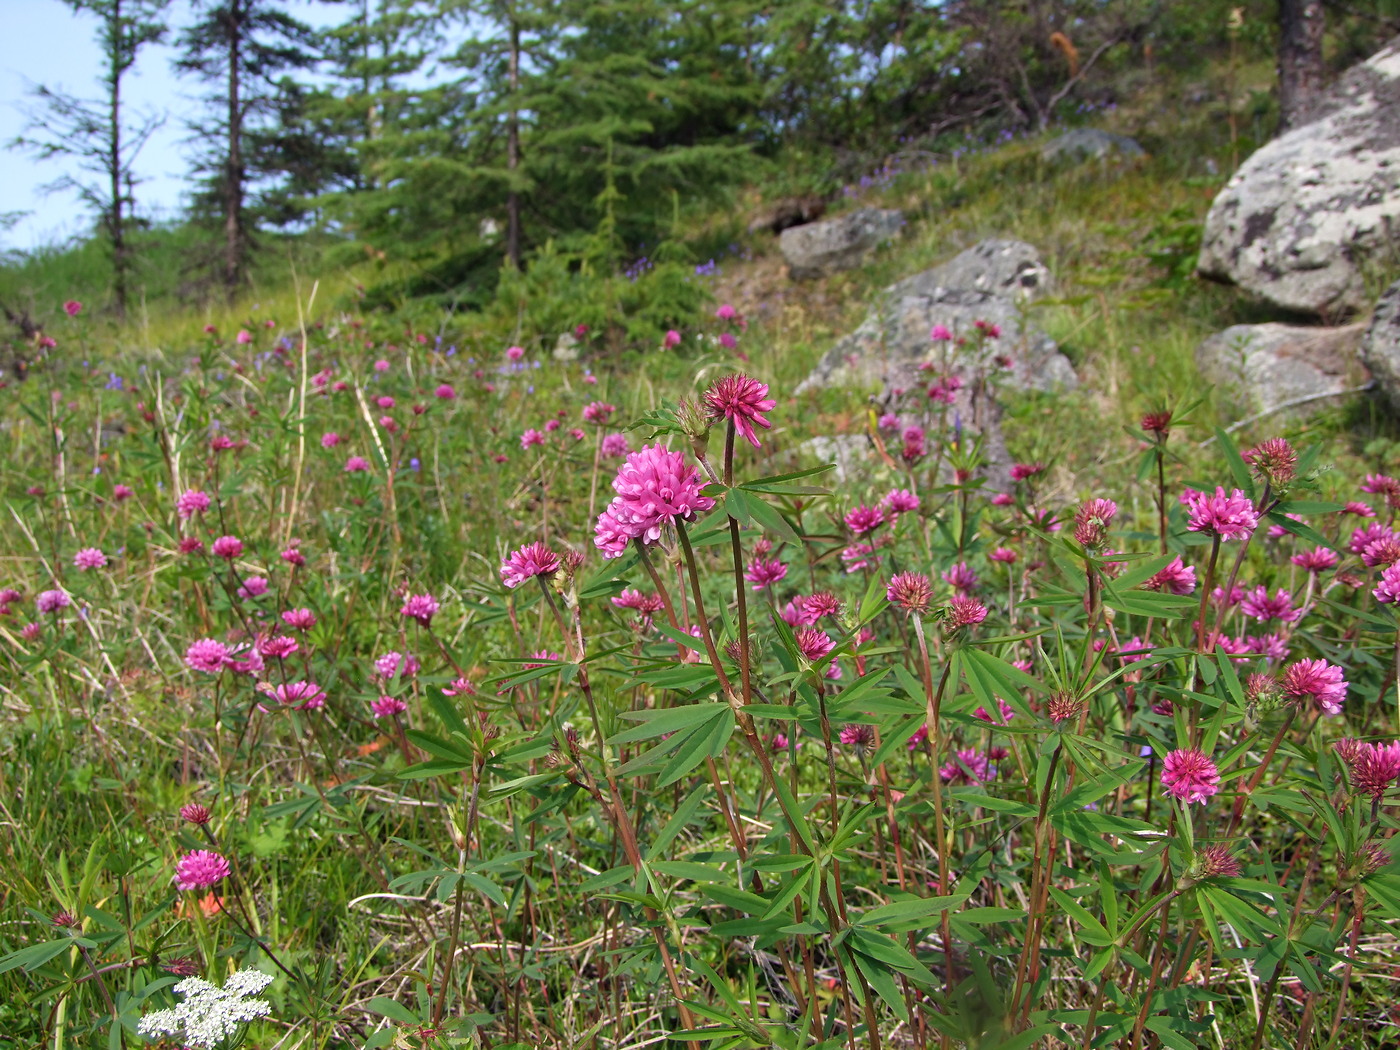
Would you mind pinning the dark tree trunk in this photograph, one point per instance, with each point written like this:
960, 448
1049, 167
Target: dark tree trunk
513, 145
233, 170
115, 225
1300, 69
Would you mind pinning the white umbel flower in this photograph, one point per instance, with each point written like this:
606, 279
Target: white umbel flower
209, 1014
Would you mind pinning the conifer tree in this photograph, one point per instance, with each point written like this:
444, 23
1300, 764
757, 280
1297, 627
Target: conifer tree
240, 48
101, 136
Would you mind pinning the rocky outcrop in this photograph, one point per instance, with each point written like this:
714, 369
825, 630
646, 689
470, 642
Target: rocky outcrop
1265, 367
1296, 223
1380, 346
1082, 144
786, 213
976, 306
892, 349
817, 249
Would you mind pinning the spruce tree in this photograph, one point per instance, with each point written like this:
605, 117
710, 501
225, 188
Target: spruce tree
240, 48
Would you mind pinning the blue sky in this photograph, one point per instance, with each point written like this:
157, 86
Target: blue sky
46, 43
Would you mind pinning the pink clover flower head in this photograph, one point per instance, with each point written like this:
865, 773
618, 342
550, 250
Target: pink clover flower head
122, 492
8, 595
387, 707
964, 611
208, 655
911, 591
742, 400
654, 487
534, 559
1318, 679
292, 556
961, 578
1359, 509
245, 659
384, 401
190, 503
727, 340
764, 572
860, 738
278, 647
244, 337
859, 556
1387, 592
813, 643
542, 654
900, 501
598, 412
1269, 646
1382, 552
1176, 577
200, 869
968, 767
796, 614
1091, 522
194, 813
1374, 768
1383, 485
1217, 862
444, 392
1003, 499
1273, 461
1318, 559
388, 665
515, 353
1259, 605
863, 519
459, 687
725, 312
90, 558
420, 607
940, 334
253, 587
1189, 775
919, 739
52, 601
1023, 471
305, 696
356, 465
531, 437
1005, 713
72, 307
821, 604
330, 439
1005, 555
381, 365
299, 619
611, 535
1364, 537
1231, 517
227, 547
645, 604
671, 340
614, 445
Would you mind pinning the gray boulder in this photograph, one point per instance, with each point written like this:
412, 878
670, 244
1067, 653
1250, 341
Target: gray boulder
1380, 346
892, 354
1296, 222
820, 248
892, 349
1266, 366
1082, 144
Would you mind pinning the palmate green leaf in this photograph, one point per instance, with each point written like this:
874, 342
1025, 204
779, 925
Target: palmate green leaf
885, 949
882, 981
1090, 929
683, 815
899, 913
783, 483
1303, 531
395, 1011
35, 955
772, 520
1148, 603
660, 721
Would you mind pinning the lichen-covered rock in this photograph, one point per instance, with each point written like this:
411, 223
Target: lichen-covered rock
1380, 346
980, 298
989, 282
1265, 366
1296, 222
816, 249
1082, 144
